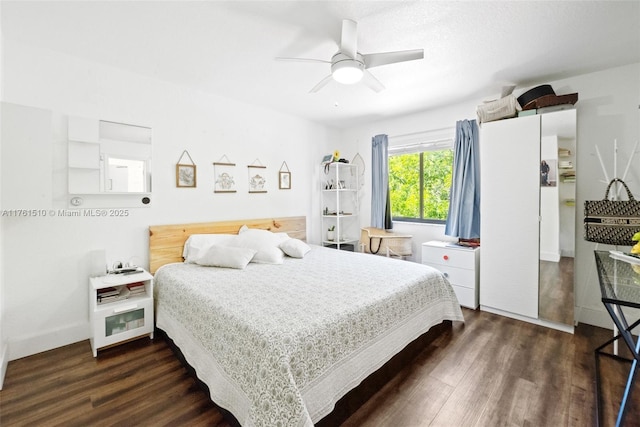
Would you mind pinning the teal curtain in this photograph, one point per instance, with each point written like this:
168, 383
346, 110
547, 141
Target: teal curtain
380, 198
463, 220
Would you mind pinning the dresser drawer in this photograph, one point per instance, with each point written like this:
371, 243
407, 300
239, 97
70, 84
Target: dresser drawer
467, 297
461, 258
462, 277
459, 265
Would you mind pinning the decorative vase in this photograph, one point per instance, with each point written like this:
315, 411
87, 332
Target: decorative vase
330, 235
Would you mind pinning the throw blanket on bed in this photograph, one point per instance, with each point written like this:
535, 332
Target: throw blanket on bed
278, 345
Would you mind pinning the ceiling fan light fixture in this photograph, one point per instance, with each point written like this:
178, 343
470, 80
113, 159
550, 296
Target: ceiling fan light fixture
348, 66
347, 71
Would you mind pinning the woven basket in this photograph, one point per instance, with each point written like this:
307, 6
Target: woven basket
382, 242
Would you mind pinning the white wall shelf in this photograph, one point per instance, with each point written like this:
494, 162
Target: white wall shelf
340, 206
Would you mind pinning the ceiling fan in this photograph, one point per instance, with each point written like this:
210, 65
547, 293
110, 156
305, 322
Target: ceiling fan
349, 66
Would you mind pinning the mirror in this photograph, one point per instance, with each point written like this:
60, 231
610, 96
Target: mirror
125, 156
108, 158
557, 213
125, 175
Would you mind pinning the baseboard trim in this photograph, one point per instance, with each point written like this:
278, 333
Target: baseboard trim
594, 317
586, 315
4, 361
558, 326
47, 340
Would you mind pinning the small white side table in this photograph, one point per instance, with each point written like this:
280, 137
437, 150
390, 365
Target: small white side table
460, 265
127, 317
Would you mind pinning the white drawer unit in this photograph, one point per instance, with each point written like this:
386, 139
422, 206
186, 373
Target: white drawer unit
459, 264
120, 308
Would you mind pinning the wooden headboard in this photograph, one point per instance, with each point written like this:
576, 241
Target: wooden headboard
166, 241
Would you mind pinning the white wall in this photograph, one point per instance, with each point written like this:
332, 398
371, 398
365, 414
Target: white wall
47, 259
3, 342
607, 110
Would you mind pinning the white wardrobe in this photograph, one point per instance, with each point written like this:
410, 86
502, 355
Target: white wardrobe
521, 210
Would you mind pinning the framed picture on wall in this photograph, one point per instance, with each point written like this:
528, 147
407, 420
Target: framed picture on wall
224, 177
185, 175
257, 178
284, 183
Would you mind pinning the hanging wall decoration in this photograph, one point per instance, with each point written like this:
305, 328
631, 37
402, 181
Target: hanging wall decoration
257, 177
284, 177
359, 162
224, 172
185, 173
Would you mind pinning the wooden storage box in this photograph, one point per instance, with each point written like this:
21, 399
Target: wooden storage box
383, 242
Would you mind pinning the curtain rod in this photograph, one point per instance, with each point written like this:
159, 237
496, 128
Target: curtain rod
424, 132
421, 146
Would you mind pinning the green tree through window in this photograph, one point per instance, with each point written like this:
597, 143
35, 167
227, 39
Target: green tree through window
419, 185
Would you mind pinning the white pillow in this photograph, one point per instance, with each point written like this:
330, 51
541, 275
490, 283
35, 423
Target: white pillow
295, 248
270, 255
197, 242
226, 256
261, 232
264, 242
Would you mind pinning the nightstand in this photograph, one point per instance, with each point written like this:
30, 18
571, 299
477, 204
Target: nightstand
120, 308
459, 264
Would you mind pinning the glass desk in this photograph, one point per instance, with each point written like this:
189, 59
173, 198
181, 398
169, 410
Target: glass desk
620, 287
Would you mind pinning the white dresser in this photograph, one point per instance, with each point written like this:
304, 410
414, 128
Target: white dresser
460, 265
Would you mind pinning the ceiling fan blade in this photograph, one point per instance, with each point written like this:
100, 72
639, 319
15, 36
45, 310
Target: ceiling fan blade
376, 59
322, 84
279, 58
372, 82
349, 40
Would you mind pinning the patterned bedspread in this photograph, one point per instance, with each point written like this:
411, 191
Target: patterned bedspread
278, 345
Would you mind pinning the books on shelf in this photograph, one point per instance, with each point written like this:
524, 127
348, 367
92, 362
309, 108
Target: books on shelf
136, 288
569, 176
565, 164
564, 152
107, 292
113, 294
118, 293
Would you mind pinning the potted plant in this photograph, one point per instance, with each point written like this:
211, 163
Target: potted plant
331, 233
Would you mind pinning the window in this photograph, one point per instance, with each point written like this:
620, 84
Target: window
420, 180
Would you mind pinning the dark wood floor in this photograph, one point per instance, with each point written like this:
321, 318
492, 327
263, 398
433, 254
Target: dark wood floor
491, 371
556, 291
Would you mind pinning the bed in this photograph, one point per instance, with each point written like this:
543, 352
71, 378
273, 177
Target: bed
281, 343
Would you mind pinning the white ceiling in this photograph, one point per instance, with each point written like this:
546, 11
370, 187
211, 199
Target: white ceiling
471, 49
